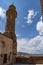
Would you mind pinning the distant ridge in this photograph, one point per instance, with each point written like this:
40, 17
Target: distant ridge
26, 54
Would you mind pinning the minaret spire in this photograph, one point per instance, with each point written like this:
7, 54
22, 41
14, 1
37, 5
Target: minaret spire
11, 17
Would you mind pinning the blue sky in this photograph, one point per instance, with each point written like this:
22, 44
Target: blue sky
29, 26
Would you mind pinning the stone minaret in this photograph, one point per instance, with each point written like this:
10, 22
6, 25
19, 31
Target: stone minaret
42, 8
11, 15
10, 25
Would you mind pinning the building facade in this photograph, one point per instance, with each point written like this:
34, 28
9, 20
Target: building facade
8, 44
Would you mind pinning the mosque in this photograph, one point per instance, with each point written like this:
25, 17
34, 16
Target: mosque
8, 43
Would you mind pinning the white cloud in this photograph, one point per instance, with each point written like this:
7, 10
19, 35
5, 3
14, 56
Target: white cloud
17, 35
39, 27
2, 18
2, 12
34, 45
31, 15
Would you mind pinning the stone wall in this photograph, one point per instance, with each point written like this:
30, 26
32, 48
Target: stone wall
6, 50
29, 60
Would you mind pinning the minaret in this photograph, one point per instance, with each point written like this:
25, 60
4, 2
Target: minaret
42, 8
11, 15
10, 25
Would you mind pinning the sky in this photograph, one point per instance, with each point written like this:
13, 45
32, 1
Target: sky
28, 27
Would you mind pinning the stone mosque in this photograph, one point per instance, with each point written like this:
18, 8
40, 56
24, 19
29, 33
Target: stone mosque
8, 43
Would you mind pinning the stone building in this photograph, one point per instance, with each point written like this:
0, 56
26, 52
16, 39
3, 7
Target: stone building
8, 44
